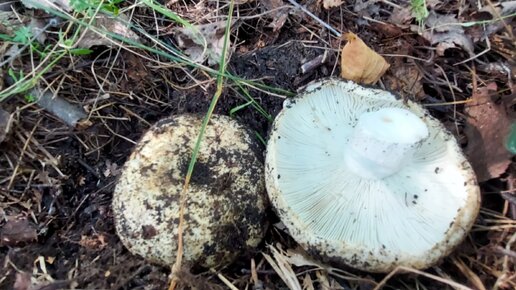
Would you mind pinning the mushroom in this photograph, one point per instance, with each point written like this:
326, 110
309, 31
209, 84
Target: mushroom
225, 208
364, 179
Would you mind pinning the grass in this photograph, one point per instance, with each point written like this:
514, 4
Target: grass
220, 85
56, 54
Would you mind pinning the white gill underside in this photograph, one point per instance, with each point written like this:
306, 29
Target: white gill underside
409, 211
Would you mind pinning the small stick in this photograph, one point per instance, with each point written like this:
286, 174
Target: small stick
326, 25
314, 63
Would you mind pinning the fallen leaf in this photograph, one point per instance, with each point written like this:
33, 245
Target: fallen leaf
37, 27
95, 242
360, 5
48, 5
493, 11
401, 17
405, 79
138, 72
108, 23
203, 42
272, 11
10, 22
17, 231
450, 39
5, 124
327, 4
446, 32
24, 281
360, 63
487, 127
111, 169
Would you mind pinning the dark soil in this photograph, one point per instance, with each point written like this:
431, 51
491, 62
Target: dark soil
65, 177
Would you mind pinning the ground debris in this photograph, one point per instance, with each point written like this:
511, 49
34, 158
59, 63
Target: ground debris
107, 23
487, 127
47, 5
446, 32
24, 281
5, 124
401, 17
405, 79
278, 16
112, 169
501, 12
327, 4
94, 242
361, 5
202, 42
360, 63
72, 115
17, 231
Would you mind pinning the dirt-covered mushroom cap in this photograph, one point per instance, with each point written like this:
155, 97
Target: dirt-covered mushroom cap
364, 179
225, 210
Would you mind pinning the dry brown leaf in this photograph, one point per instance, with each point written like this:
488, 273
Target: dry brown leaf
327, 4
10, 22
47, 5
107, 23
401, 17
446, 32
95, 242
204, 42
449, 39
487, 126
24, 281
360, 63
278, 16
361, 5
17, 231
405, 79
111, 169
5, 124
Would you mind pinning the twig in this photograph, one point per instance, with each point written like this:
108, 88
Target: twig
314, 63
326, 25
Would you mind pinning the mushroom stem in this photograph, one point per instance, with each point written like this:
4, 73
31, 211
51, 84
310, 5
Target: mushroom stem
382, 141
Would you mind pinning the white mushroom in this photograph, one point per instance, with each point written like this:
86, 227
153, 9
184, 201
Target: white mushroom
225, 209
361, 178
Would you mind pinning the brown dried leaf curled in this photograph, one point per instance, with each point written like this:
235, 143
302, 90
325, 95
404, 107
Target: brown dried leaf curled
360, 63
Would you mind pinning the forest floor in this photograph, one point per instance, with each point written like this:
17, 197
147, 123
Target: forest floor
60, 156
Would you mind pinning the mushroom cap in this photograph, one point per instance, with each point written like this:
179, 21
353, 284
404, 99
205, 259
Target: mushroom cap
412, 218
225, 208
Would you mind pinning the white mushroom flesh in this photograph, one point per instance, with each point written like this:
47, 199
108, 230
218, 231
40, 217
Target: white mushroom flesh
382, 140
369, 217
